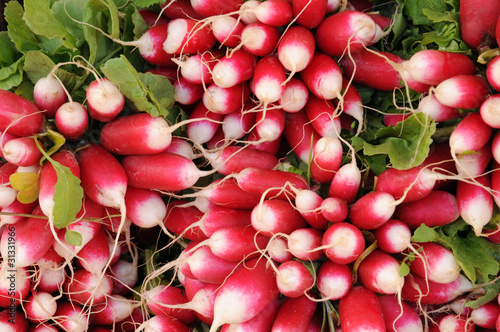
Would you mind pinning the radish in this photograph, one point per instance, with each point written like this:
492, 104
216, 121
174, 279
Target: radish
259, 39
486, 315
116, 309
393, 237
323, 77
343, 243
86, 288
304, 244
235, 68
309, 14
438, 112
360, 310
296, 48
207, 8
309, 205
104, 100
294, 279
50, 273
263, 321
7, 194
493, 72
94, 256
287, 318
334, 209
181, 147
277, 249
234, 159
179, 218
237, 124
163, 323
13, 320
197, 68
18, 115
227, 30
14, 212
456, 323
334, 280
462, 91
353, 104
399, 315
300, 135
269, 79
206, 267
345, 183
40, 307
225, 100
257, 143
270, 124
153, 18
49, 94
22, 151
71, 120
205, 124
372, 210
14, 284
379, 272
145, 208
125, 276
71, 317
425, 291
294, 96
276, 13
227, 193
489, 111
478, 21
276, 216
187, 93
244, 294
354, 31
472, 165
323, 116
188, 36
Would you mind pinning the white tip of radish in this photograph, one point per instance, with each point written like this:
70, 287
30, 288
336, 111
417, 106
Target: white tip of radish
104, 99
253, 38
159, 135
294, 57
269, 90
224, 75
490, 111
177, 29
247, 11
478, 215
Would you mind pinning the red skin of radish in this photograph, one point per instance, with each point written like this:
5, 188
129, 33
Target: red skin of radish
71, 317
150, 46
94, 256
13, 278
323, 77
435, 293
164, 294
244, 294
15, 208
8, 195
456, 323
345, 183
297, 45
360, 310
207, 8
256, 181
4, 138
238, 123
478, 20
234, 159
434, 66
104, 100
276, 216
218, 217
49, 95
311, 13
287, 318
116, 309
169, 72
186, 36
227, 30
22, 151
263, 321
473, 165
472, 133
475, 203
138, 133
162, 171
486, 315
145, 208
226, 100
71, 120
209, 122
207, 267
268, 78
180, 9
276, 13
334, 209
439, 208
152, 17
125, 276
373, 70
395, 182
493, 71
87, 288
300, 134
372, 210
197, 68
393, 237
430, 106
234, 68
334, 280
303, 244
294, 279
228, 194
351, 26
308, 204
391, 309
260, 39
278, 250
187, 93
257, 143
322, 115
179, 218
270, 124
344, 243
379, 272
13, 320
181, 147
467, 91
489, 111
163, 323
19, 114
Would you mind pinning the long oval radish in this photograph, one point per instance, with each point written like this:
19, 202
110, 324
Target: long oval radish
360, 310
323, 77
343, 243
296, 49
462, 91
234, 68
187, 36
20, 116
259, 39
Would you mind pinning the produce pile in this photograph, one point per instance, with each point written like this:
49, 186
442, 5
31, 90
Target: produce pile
278, 165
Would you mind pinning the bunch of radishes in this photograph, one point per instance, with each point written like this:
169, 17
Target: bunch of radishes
264, 245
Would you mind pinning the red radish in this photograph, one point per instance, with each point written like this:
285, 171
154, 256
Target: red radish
22, 151
334, 209
259, 39
269, 77
14, 284
294, 279
125, 276
393, 237
234, 159
478, 21
332, 6
207, 267
71, 317
188, 36
179, 218
475, 203
354, 31
49, 95
379, 272
270, 124
456, 323
13, 320
323, 116
472, 133
187, 93
4, 138
238, 123
163, 323
493, 72
94, 256
14, 212
462, 91
104, 100
197, 68
275, 12
86, 288
40, 307
343, 243
276, 216
234, 68
434, 66
218, 140
152, 17
157, 171
300, 135
277, 249
345, 184
225, 100
207, 8
205, 126
372, 210
71, 120
353, 104
412, 184
116, 309
373, 68
438, 112
360, 310
489, 111
168, 72
334, 280
392, 119
181, 147
486, 315
471, 165
7, 194
257, 143
263, 321
227, 30
399, 315
294, 96
323, 77
425, 291
145, 208
18, 115
227, 193
160, 297
309, 14
296, 48
303, 244
244, 294
309, 205
132, 322
50, 273
287, 318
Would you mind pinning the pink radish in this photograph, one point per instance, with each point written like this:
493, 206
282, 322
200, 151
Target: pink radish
296, 48
244, 294
343, 243
163, 323
181, 147
478, 21
257, 143
235, 68
489, 111
486, 315
206, 125
225, 100
86, 288
227, 30
372, 210
71, 120
71, 317
300, 135
179, 218
475, 203
238, 123
20, 116
323, 77
437, 263
207, 267
263, 321
14, 284
288, 320
14, 212
309, 205
49, 94
7, 194
334, 209
304, 244
4, 138
270, 124
13, 320
160, 297
393, 237
493, 73
425, 291
294, 96
125, 276
294, 279
276, 216
472, 133
207, 8
94, 256
456, 323
360, 309
277, 249
188, 36
40, 307
22, 151
113, 311
227, 193
275, 12
323, 116
152, 17
50, 273
354, 30
187, 93
145, 208
269, 77
259, 39
353, 104
472, 165
379, 272
430, 106
234, 159
399, 316
104, 100
345, 183
462, 91
334, 280
197, 68
309, 14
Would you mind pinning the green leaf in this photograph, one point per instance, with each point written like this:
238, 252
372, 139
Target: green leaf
153, 94
70, 13
424, 234
24, 39
7, 49
27, 185
11, 76
146, 3
490, 295
404, 269
73, 238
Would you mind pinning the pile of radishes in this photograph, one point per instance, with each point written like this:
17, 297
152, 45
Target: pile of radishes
271, 217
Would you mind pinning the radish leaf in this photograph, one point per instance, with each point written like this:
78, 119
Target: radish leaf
27, 185
73, 238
